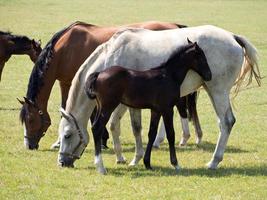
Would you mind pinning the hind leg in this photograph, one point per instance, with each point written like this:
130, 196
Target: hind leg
160, 136
192, 108
135, 115
221, 103
181, 106
115, 131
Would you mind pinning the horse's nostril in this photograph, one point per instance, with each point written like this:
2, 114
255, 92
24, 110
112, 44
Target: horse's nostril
66, 162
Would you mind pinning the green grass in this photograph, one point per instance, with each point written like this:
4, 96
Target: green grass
34, 174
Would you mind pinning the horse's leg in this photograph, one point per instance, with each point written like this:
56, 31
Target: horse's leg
181, 106
97, 129
160, 136
192, 108
154, 122
105, 135
115, 131
135, 115
168, 121
64, 88
221, 103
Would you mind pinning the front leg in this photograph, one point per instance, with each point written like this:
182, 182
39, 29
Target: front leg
64, 88
168, 121
154, 122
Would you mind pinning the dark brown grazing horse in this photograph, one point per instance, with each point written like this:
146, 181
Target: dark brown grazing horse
157, 89
17, 44
60, 60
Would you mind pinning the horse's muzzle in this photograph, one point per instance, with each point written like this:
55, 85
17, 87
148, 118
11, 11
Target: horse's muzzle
31, 144
65, 161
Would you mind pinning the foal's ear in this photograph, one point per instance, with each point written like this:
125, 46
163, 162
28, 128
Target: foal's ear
65, 114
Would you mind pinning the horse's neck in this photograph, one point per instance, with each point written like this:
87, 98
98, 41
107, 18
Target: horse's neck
45, 90
16, 49
177, 71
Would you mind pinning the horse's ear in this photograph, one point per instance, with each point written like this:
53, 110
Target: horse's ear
189, 42
20, 101
65, 114
28, 101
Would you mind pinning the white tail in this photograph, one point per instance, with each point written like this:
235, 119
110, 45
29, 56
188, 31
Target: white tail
250, 64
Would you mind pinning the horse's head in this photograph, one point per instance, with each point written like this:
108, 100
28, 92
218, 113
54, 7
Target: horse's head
73, 140
35, 50
198, 60
36, 123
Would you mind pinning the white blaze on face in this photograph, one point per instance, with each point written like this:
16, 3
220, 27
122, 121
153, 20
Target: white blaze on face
25, 134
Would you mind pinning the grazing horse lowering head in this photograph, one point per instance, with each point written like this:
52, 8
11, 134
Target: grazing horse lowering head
36, 122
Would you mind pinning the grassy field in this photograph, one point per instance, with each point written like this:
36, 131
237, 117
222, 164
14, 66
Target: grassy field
35, 175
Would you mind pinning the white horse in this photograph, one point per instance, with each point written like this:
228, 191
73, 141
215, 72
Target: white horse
229, 56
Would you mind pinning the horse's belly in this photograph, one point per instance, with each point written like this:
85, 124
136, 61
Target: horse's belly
191, 83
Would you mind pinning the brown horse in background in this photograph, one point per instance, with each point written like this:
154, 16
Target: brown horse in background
16, 44
60, 60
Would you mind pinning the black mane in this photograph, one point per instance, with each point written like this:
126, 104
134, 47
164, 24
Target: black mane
42, 64
37, 76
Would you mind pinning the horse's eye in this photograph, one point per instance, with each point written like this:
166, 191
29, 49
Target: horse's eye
67, 136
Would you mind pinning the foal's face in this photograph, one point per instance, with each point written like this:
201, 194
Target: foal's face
199, 62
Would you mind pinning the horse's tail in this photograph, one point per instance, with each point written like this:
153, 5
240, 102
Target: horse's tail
90, 85
91, 93
250, 64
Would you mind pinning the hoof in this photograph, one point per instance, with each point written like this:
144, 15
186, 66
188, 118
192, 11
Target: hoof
183, 141
102, 171
148, 167
177, 168
133, 163
104, 147
136, 160
211, 165
121, 162
198, 141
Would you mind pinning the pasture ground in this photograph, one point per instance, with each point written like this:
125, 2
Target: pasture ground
35, 175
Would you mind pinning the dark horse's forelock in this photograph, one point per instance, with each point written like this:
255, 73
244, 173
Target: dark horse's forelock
40, 67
